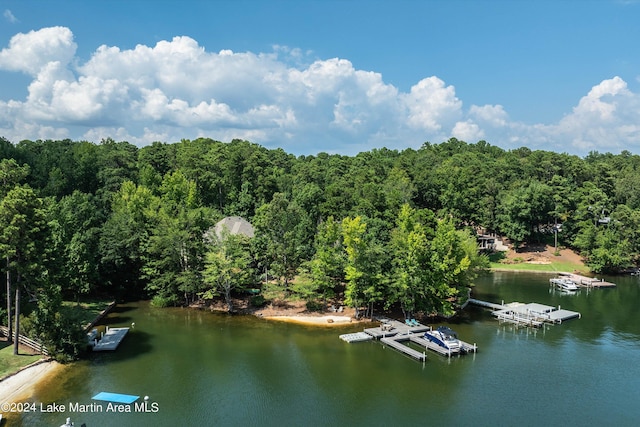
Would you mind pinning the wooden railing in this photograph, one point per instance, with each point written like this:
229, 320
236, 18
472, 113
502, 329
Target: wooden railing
34, 345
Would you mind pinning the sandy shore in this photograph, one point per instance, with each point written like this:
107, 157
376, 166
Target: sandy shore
313, 320
20, 386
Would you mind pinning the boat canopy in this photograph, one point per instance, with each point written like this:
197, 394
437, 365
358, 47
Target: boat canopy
447, 331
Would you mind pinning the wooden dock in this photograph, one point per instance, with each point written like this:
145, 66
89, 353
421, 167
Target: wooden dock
587, 282
395, 334
532, 314
390, 328
111, 339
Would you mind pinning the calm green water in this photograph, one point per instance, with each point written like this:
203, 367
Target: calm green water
206, 369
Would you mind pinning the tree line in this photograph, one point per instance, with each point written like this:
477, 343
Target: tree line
382, 228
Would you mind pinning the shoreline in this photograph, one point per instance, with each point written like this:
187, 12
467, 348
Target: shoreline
19, 385
516, 270
328, 320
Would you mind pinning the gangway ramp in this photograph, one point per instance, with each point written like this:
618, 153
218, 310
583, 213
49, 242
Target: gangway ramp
395, 342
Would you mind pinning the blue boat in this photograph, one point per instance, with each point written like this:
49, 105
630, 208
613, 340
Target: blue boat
445, 338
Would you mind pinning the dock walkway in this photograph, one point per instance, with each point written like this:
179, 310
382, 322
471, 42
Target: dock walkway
395, 334
492, 305
396, 343
389, 328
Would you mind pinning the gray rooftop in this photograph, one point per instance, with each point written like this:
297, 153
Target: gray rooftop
234, 225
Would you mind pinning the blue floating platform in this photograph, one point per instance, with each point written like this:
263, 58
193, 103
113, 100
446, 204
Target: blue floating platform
115, 397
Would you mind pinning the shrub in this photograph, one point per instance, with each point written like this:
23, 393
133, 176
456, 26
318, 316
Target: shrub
258, 301
313, 305
28, 326
160, 301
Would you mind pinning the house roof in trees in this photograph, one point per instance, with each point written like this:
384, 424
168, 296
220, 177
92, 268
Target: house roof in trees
235, 225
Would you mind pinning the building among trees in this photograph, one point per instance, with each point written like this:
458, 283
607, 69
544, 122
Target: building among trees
234, 225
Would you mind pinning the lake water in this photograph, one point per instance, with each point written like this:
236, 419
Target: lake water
203, 369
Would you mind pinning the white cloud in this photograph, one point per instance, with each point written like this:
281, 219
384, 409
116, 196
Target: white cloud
15, 130
493, 115
606, 119
467, 131
594, 107
31, 52
176, 89
431, 104
9, 16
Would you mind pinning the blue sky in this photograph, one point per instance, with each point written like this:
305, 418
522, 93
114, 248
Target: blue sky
336, 76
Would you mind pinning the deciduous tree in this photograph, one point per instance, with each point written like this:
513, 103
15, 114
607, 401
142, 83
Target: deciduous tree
227, 267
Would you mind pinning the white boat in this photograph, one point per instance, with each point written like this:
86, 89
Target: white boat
445, 338
564, 284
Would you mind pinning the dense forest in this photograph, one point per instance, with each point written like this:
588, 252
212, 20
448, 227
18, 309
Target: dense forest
383, 229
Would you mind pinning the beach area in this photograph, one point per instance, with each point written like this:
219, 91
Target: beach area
19, 386
296, 312
312, 320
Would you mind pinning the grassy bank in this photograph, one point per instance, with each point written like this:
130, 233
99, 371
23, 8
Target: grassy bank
9, 363
554, 267
84, 312
538, 260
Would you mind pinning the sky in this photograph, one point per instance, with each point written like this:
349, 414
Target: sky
336, 76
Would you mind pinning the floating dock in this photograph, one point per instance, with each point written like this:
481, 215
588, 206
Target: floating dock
115, 397
587, 282
356, 337
532, 314
111, 339
395, 334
